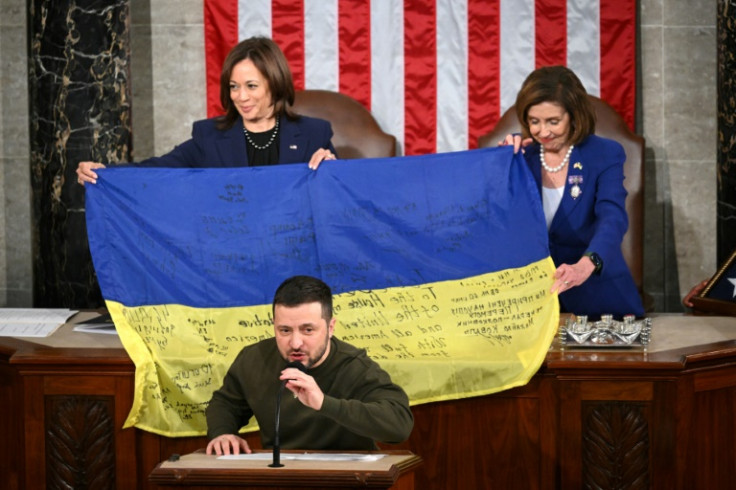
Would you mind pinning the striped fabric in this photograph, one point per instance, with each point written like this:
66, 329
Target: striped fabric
437, 74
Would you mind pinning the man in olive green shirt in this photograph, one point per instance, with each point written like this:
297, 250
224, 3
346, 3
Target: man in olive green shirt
343, 400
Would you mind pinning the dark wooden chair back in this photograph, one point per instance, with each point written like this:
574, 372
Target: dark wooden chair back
357, 134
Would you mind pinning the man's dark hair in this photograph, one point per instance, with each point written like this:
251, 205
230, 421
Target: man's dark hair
299, 290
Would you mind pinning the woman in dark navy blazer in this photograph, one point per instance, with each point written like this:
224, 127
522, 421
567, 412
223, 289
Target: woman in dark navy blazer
258, 128
580, 178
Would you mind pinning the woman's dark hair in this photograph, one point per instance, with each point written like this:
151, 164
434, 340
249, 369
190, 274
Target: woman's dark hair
271, 62
299, 290
560, 85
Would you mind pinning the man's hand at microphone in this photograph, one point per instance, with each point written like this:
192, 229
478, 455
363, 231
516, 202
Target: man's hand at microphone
227, 444
304, 387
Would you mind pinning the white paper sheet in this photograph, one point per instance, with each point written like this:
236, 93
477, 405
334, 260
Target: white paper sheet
306, 457
32, 322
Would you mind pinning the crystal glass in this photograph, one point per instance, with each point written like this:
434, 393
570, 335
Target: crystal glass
628, 330
602, 335
580, 330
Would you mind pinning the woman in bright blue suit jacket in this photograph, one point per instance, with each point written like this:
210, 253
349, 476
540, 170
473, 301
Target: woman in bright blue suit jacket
258, 128
580, 177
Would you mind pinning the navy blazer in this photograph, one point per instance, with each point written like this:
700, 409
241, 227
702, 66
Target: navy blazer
594, 221
211, 147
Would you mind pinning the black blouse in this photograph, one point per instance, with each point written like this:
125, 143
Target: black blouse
262, 156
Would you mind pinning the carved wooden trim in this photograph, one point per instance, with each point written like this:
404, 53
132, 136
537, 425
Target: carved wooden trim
80, 442
615, 445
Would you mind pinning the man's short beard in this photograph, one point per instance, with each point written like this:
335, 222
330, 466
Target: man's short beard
311, 361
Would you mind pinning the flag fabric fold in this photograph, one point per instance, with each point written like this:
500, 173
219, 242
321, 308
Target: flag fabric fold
439, 265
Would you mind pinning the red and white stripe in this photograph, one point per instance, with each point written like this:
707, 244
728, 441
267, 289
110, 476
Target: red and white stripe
436, 74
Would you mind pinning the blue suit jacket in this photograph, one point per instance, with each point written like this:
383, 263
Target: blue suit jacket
211, 147
595, 221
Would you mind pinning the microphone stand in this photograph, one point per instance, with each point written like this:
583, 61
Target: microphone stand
276, 442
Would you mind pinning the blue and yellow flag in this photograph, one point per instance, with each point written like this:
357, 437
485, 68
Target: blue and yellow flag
439, 265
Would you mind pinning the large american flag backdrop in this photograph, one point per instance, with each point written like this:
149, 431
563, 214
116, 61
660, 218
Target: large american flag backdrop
437, 74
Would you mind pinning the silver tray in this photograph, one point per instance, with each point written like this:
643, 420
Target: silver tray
606, 332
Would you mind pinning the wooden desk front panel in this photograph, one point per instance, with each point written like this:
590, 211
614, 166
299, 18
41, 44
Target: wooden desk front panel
610, 431
706, 435
73, 431
11, 415
62, 413
505, 439
665, 421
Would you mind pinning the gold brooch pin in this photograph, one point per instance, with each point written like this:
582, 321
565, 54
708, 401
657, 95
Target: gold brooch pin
578, 165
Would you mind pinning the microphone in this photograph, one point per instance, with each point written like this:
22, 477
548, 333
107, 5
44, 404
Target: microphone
276, 443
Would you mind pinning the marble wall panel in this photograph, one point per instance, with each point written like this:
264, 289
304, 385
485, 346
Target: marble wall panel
3, 233
694, 218
677, 94
657, 216
178, 83
177, 12
660, 260
650, 12
690, 96
177, 51
141, 72
14, 12
726, 208
689, 12
143, 135
689, 124
15, 226
17, 204
79, 110
652, 87
14, 92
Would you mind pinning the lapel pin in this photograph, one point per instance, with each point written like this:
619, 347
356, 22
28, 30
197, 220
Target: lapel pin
292, 147
578, 165
575, 181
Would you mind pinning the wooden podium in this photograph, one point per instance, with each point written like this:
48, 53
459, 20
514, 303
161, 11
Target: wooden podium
394, 469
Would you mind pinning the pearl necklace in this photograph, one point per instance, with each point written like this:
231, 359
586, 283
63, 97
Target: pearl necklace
560, 166
273, 136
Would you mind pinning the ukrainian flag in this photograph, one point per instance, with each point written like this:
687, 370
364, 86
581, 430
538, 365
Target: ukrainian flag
439, 265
